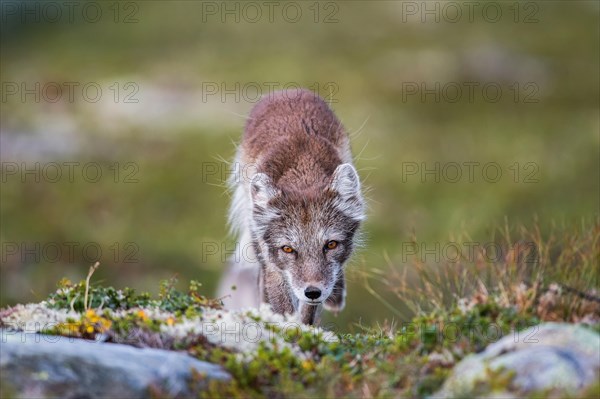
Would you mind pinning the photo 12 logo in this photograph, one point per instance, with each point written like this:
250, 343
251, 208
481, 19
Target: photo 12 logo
526, 12
252, 92
469, 172
233, 172
472, 331
69, 252
69, 12
221, 252
471, 92
469, 251
71, 172
270, 11
52, 92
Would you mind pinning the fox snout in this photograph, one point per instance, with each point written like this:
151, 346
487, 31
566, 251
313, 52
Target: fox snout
313, 292
310, 291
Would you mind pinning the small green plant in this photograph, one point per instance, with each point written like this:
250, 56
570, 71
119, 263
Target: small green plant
83, 296
72, 296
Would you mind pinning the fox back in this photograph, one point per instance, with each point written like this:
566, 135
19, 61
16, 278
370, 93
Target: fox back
297, 206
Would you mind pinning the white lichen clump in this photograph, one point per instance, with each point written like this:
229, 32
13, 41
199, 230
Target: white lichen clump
245, 330
36, 317
241, 331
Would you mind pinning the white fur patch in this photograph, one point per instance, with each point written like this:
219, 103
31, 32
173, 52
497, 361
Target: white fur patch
347, 183
262, 190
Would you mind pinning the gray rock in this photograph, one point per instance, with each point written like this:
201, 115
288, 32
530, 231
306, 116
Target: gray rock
36, 365
552, 356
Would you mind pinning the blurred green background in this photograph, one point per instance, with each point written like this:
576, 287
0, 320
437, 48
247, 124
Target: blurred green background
177, 79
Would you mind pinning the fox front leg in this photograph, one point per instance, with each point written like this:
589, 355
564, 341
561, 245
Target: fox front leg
275, 292
310, 314
337, 300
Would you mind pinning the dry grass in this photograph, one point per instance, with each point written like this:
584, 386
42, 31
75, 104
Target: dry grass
553, 277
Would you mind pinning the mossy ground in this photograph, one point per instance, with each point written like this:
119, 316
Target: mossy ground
395, 359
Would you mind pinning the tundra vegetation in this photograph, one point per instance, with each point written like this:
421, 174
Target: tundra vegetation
186, 84
175, 91
460, 308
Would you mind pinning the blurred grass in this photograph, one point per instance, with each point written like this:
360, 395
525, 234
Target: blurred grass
368, 55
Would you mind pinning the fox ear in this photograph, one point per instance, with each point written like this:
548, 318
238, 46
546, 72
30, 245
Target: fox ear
262, 190
347, 184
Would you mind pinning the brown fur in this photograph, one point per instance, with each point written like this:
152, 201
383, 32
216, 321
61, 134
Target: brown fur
295, 139
303, 193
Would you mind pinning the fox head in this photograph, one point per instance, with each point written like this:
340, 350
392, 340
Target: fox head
308, 235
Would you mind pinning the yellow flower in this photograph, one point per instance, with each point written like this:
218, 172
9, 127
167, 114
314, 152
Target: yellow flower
170, 321
90, 329
142, 315
308, 365
69, 329
103, 325
90, 313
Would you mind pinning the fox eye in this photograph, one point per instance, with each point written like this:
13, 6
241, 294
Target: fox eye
331, 245
287, 249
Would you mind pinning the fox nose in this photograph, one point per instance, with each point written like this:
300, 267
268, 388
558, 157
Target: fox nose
312, 292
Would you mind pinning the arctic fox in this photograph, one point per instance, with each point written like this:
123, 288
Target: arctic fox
296, 209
